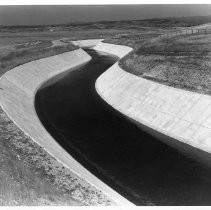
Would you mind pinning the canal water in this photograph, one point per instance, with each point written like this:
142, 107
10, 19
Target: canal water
137, 165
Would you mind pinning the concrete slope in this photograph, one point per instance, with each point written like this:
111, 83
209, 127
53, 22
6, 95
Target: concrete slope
87, 42
117, 50
18, 89
182, 115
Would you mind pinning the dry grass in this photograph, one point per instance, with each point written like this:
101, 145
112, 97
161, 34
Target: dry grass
21, 184
182, 61
30, 176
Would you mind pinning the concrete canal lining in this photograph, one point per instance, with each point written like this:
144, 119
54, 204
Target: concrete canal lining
18, 89
137, 165
183, 115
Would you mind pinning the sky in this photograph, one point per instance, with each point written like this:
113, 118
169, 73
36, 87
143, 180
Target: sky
36, 15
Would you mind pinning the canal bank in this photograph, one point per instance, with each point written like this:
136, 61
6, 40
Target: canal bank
138, 166
87, 43
183, 166
18, 88
183, 115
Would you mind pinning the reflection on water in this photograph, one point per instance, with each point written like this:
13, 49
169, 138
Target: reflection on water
137, 165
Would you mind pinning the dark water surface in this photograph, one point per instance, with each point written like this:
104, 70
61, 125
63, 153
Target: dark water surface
137, 165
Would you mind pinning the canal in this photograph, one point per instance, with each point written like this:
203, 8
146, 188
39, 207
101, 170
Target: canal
132, 162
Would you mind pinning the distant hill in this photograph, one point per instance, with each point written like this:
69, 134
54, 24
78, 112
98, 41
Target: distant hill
123, 24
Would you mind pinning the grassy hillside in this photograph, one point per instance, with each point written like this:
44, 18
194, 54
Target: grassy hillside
180, 61
121, 24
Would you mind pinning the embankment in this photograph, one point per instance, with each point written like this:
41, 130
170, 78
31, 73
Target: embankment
182, 115
87, 43
17, 91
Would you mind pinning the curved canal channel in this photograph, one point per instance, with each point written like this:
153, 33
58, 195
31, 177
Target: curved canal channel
135, 164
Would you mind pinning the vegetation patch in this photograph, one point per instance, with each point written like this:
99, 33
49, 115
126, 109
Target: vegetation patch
30, 176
